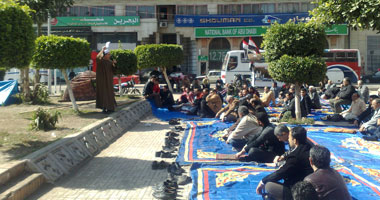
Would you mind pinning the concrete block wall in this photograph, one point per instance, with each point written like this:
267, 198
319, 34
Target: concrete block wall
59, 158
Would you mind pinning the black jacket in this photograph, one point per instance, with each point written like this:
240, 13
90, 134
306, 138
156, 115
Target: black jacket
296, 167
346, 92
148, 88
366, 114
267, 141
305, 105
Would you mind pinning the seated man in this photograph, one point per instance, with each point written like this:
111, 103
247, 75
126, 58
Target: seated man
167, 98
211, 104
268, 97
305, 103
363, 91
328, 183
366, 115
356, 108
245, 130
343, 97
296, 168
370, 127
376, 135
264, 146
151, 92
315, 102
228, 113
304, 190
282, 133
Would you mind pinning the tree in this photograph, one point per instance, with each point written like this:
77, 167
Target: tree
16, 38
41, 10
164, 56
58, 52
294, 54
358, 14
126, 63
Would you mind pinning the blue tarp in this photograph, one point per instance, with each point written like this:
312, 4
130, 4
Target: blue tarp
7, 88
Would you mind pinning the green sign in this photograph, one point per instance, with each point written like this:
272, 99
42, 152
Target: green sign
340, 29
229, 32
202, 58
97, 21
217, 54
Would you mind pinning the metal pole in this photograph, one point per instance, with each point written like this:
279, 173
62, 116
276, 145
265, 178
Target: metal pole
49, 71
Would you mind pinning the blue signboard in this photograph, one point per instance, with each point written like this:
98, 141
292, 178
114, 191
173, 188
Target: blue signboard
237, 20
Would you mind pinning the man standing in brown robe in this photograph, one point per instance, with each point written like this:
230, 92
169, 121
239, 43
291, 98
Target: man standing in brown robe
105, 96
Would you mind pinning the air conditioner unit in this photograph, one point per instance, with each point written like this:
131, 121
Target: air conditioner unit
163, 24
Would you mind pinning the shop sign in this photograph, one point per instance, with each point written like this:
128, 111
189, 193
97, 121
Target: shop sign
340, 29
229, 32
255, 31
217, 54
98, 21
238, 20
202, 58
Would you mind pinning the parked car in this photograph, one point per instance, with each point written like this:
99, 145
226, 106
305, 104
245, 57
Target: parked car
374, 78
124, 79
212, 75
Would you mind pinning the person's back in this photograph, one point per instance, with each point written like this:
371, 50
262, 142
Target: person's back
329, 184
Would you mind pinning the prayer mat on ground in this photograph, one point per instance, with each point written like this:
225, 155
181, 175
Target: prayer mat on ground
239, 181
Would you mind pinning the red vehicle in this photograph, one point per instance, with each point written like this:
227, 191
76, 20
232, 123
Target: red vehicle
343, 63
135, 78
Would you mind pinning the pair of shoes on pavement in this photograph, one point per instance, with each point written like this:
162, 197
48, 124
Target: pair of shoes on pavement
171, 142
172, 134
179, 128
175, 169
164, 154
159, 165
165, 190
174, 121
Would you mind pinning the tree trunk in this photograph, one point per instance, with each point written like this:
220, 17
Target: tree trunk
26, 84
298, 100
37, 76
120, 89
71, 94
22, 78
167, 79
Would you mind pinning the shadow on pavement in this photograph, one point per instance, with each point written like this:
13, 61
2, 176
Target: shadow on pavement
106, 173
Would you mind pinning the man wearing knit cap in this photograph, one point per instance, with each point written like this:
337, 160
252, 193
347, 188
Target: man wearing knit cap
105, 97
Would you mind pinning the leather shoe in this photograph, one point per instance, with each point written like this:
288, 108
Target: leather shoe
172, 133
368, 138
167, 155
165, 194
154, 165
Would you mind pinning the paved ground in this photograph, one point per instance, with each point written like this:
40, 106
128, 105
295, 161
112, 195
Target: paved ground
121, 171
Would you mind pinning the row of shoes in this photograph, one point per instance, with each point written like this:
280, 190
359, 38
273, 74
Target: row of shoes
168, 189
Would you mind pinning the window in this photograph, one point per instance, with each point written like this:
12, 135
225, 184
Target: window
232, 9
267, 8
142, 11
328, 56
307, 6
288, 7
232, 64
192, 10
115, 38
90, 11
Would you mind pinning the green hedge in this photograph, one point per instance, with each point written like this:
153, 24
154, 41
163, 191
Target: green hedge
58, 52
126, 61
294, 40
16, 35
158, 55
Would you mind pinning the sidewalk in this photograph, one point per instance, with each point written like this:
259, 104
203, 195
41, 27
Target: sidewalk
121, 171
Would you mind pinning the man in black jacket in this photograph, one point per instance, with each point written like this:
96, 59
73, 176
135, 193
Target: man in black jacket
167, 98
296, 168
343, 97
305, 103
264, 146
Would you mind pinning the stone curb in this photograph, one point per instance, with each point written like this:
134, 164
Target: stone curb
59, 158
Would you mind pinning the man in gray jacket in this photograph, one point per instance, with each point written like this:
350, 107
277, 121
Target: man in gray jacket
370, 127
363, 91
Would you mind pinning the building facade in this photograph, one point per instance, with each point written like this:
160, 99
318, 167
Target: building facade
206, 29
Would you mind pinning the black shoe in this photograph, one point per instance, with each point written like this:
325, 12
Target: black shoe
166, 194
179, 128
167, 155
174, 122
171, 140
158, 153
162, 165
154, 165
370, 138
165, 185
175, 169
171, 143
172, 134
183, 180
170, 149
